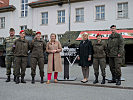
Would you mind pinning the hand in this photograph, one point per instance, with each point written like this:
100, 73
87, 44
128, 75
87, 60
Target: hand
35, 37
89, 59
78, 58
54, 51
119, 55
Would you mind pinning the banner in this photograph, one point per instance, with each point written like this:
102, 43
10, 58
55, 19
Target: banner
105, 34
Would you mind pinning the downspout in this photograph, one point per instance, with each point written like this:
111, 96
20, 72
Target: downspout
69, 24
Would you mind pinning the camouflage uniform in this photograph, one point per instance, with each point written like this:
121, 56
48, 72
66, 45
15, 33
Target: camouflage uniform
37, 56
9, 59
115, 47
20, 49
99, 57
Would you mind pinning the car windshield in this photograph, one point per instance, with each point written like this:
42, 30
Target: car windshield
29, 38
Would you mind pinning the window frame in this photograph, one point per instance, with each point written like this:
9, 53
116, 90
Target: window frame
61, 17
2, 23
100, 12
80, 16
25, 27
24, 10
44, 19
60, 36
118, 11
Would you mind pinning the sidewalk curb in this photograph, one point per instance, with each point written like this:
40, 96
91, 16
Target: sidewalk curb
84, 84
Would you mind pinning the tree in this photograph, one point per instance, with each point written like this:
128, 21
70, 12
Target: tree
30, 32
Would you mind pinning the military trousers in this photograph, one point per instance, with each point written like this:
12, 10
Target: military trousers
34, 62
21, 64
99, 62
115, 66
9, 61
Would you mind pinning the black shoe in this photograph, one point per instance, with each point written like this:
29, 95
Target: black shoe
8, 79
17, 80
112, 81
118, 82
103, 81
22, 80
42, 81
96, 80
33, 80
14, 79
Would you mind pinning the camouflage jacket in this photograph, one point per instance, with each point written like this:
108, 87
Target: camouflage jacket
37, 48
99, 49
8, 44
115, 45
21, 47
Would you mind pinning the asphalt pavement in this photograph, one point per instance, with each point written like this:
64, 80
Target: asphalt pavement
68, 90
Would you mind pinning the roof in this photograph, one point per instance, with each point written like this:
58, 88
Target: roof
43, 3
4, 3
5, 7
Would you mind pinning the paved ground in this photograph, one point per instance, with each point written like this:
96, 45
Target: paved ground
68, 90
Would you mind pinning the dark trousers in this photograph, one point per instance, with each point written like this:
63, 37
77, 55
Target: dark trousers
99, 62
21, 63
115, 66
34, 62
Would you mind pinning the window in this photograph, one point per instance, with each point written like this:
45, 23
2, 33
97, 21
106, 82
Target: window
24, 8
1, 40
100, 12
80, 15
46, 37
60, 36
2, 22
61, 16
45, 18
123, 10
23, 27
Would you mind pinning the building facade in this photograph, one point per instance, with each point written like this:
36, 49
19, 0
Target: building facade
59, 16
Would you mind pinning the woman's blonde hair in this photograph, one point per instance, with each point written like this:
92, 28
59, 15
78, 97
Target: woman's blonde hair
53, 34
85, 33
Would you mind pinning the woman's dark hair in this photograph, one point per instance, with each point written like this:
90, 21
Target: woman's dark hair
112, 26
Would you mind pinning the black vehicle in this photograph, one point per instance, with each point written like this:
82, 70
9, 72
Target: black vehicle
2, 53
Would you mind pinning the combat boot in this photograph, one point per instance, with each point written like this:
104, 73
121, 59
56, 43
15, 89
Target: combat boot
22, 80
14, 78
33, 80
96, 80
113, 80
42, 81
103, 81
118, 81
8, 79
17, 80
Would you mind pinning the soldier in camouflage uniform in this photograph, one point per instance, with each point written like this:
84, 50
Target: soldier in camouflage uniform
37, 56
115, 51
20, 49
99, 58
9, 59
